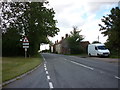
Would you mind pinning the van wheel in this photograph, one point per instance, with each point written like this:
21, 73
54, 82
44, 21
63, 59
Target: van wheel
89, 55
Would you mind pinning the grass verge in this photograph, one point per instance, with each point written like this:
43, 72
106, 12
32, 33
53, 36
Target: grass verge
15, 66
0, 70
115, 56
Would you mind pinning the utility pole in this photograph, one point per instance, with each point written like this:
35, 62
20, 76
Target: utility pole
98, 38
119, 4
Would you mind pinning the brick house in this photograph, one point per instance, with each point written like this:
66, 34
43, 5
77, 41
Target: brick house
85, 44
62, 47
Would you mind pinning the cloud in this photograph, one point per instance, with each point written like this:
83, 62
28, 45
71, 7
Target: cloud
84, 14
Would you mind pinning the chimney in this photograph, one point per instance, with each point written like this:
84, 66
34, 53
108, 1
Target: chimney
66, 35
57, 41
62, 38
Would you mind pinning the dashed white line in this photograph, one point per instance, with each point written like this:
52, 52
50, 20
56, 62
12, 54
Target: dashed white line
48, 77
82, 65
51, 85
43, 58
65, 59
102, 72
46, 72
45, 69
44, 65
117, 77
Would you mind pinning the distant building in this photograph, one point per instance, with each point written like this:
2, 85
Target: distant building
85, 44
62, 47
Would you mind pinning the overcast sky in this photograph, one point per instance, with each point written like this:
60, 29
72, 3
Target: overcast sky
83, 14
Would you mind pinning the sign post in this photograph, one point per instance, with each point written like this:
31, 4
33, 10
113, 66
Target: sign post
25, 45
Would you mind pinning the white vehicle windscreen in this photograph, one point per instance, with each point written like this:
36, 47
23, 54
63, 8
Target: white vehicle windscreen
101, 47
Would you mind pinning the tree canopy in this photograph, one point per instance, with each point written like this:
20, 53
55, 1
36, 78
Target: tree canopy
111, 28
74, 41
31, 19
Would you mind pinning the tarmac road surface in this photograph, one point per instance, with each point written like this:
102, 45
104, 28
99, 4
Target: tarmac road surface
65, 71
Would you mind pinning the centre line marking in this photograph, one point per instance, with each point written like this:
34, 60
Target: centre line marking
50, 85
48, 77
45, 69
117, 77
46, 72
83, 65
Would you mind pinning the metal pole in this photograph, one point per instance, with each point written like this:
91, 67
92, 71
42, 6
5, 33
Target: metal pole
25, 52
98, 38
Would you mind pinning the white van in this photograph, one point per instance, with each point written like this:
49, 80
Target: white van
98, 50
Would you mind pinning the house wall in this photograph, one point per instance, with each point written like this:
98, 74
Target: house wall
58, 48
64, 47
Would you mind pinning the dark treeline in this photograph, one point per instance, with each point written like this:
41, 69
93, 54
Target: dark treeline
20, 19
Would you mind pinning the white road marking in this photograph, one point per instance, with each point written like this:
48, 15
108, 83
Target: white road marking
82, 65
51, 85
44, 65
45, 69
46, 72
48, 77
65, 59
43, 58
102, 72
117, 77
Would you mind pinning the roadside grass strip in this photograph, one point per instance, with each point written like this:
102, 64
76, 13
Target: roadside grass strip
18, 66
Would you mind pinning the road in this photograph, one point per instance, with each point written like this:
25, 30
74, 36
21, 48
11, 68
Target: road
63, 71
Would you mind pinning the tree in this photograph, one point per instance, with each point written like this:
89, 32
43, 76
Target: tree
11, 45
33, 20
74, 41
111, 28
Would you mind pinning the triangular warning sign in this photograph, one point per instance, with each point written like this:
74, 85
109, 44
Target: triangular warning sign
25, 40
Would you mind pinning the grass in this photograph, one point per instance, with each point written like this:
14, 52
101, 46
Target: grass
0, 70
14, 66
114, 56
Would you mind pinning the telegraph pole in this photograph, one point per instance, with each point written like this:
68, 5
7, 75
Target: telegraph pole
98, 38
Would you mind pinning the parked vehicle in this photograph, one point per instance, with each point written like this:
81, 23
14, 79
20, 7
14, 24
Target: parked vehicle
98, 50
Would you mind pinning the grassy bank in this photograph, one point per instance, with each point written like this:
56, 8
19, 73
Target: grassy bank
0, 70
114, 56
14, 66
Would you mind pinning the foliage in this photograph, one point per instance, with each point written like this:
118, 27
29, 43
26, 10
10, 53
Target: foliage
10, 43
74, 41
111, 28
33, 20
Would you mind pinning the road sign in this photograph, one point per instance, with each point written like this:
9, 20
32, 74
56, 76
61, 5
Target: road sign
25, 40
25, 45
